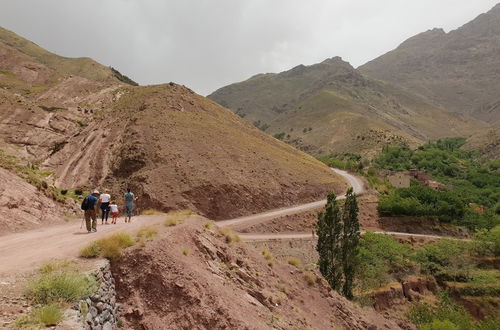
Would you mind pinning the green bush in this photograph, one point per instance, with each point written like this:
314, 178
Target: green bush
440, 325
381, 260
447, 313
487, 242
418, 200
65, 286
446, 259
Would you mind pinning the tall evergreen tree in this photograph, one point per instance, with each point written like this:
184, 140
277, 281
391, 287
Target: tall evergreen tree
329, 231
350, 242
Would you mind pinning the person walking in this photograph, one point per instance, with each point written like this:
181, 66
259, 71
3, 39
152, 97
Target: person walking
89, 206
105, 199
129, 204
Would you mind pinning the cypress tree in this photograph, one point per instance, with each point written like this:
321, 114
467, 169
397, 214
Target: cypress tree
350, 242
329, 230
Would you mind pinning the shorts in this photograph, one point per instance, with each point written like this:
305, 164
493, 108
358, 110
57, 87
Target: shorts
114, 214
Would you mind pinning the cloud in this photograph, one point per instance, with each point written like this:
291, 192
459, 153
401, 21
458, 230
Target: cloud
206, 44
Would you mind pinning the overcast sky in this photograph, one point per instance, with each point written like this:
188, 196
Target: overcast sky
206, 44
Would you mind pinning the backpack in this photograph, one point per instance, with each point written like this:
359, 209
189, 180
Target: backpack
85, 203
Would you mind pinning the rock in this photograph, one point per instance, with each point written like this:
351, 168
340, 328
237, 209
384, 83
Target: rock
100, 307
93, 311
107, 326
88, 318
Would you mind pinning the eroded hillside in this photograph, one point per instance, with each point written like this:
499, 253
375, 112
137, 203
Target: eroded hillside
75, 120
192, 277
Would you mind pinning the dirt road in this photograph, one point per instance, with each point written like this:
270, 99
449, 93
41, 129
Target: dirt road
24, 251
356, 183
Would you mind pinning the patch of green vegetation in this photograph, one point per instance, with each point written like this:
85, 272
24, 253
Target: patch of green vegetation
447, 315
446, 260
43, 316
31, 174
418, 200
472, 183
382, 259
344, 161
109, 247
60, 286
279, 136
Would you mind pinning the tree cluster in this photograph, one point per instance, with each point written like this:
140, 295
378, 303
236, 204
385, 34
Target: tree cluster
338, 242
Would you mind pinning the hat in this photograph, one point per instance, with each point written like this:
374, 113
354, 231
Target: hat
96, 192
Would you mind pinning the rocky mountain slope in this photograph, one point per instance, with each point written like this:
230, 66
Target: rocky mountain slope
331, 107
458, 70
76, 119
191, 277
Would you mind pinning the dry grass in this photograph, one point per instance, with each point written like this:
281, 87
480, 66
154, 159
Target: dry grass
310, 278
296, 262
109, 247
185, 251
43, 316
177, 217
268, 256
152, 212
51, 267
60, 286
146, 233
208, 226
230, 236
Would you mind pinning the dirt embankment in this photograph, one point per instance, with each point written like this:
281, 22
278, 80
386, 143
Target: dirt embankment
23, 207
191, 278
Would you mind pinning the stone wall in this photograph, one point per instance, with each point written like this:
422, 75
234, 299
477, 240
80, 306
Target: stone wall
100, 311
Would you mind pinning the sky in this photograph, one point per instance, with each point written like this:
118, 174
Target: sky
207, 44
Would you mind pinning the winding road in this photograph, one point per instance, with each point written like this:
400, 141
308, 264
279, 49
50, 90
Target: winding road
25, 251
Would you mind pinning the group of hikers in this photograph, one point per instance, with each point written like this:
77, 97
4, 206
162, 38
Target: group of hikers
95, 201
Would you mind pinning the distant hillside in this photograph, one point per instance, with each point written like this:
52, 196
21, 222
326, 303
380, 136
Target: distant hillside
459, 70
80, 124
331, 107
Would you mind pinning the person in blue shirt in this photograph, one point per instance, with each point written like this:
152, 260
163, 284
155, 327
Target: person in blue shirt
91, 211
129, 204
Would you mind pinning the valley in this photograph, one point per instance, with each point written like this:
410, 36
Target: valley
321, 197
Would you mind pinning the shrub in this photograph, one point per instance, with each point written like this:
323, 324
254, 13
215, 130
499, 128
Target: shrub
60, 287
170, 222
185, 251
382, 259
91, 250
176, 217
446, 259
48, 315
267, 254
109, 247
487, 242
230, 236
310, 278
447, 312
296, 262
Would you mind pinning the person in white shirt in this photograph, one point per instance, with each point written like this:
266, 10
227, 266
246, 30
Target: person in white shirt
114, 211
105, 199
